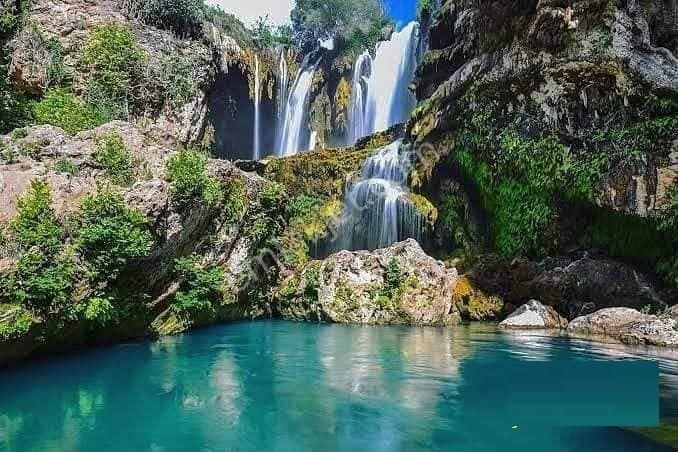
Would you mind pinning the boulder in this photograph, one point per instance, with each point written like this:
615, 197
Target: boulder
534, 315
630, 326
396, 285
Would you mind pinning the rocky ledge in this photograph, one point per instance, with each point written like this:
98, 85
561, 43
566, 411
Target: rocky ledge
397, 285
630, 326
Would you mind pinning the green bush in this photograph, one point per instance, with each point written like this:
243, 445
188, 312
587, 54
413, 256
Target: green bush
109, 234
393, 279
17, 326
60, 108
43, 276
114, 59
100, 310
187, 172
183, 17
113, 156
66, 166
201, 287
235, 200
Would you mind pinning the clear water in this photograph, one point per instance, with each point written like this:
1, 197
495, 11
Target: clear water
278, 386
257, 114
294, 134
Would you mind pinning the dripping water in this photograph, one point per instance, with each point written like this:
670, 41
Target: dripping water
257, 113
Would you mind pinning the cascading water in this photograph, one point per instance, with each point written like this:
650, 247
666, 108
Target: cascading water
257, 105
293, 136
361, 73
283, 81
381, 97
377, 211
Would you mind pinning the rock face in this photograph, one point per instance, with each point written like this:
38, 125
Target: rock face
201, 230
534, 315
395, 285
590, 84
574, 287
630, 326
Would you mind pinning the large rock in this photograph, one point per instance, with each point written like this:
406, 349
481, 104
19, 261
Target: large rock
534, 315
397, 285
574, 287
630, 326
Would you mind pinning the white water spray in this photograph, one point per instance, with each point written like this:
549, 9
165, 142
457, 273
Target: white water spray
257, 104
377, 210
293, 136
381, 97
283, 81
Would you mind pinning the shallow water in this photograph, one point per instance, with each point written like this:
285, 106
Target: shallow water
282, 386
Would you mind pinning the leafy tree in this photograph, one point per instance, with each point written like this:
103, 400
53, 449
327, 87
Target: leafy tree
201, 287
321, 19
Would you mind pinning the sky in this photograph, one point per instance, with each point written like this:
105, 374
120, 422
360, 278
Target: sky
402, 11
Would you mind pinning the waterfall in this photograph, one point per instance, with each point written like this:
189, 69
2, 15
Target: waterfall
377, 212
293, 136
257, 102
283, 81
381, 96
361, 73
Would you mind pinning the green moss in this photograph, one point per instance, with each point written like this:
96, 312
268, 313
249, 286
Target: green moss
666, 433
424, 207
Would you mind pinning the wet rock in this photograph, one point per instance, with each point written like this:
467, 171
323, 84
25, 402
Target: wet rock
395, 285
534, 315
630, 326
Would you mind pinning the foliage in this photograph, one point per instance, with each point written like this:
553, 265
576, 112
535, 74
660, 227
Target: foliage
269, 35
36, 224
110, 234
66, 166
178, 83
228, 24
201, 287
18, 325
424, 8
113, 156
187, 172
15, 107
11, 15
393, 279
43, 276
114, 59
235, 200
183, 17
366, 38
321, 19
60, 108
100, 310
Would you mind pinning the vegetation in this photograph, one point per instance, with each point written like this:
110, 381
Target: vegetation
114, 60
269, 35
110, 234
16, 108
113, 156
393, 277
187, 172
42, 279
183, 17
62, 109
201, 288
67, 167
321, 19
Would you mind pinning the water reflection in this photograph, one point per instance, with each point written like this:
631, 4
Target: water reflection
281, 386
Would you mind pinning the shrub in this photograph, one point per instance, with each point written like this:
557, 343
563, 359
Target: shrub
100, 310
110, 234
393, 279
43, 276
36, 224
16, 109
19, 133
187, 172
201, 287
18, 325
66, 166
113, 57
234, 200
60, 108
114, 157
183, 17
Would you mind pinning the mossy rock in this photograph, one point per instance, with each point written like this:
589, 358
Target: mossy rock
474, 304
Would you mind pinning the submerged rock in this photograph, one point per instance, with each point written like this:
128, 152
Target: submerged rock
396, 285
630, 326
534, 315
